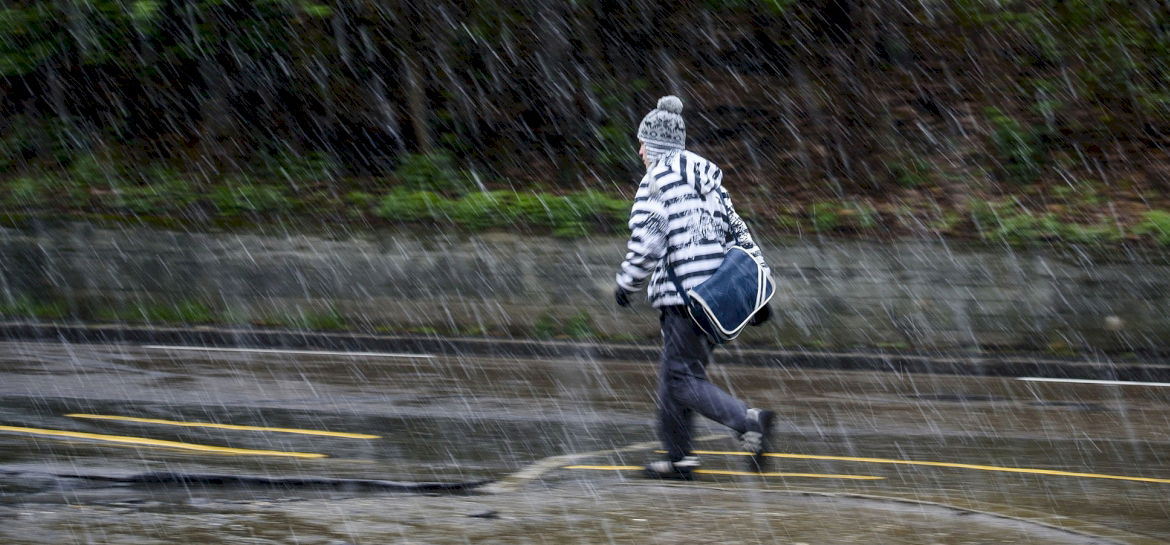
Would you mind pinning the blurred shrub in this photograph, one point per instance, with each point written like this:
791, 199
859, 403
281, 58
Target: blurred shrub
825, 216
323, 320
405, 205
573, 229
911, 172
1084, 195
579, 326
1156, 225
360, 199
360, 203
25, 307
27, 136
563, 214
327, 319
600, 208
570, 215
1091, 234
1011, 222
188, 311
243, 197
1023, 227
772, 7
180, 312
545, 327
433, 171
92, 170
984, 214
947, 222
307, 168
616, 149
26, 192
566, 218
1014, 224
787, 223
484, 210
157, 192
861, 216
535, 209
42, 191
314, 9
1019, 149
162, 191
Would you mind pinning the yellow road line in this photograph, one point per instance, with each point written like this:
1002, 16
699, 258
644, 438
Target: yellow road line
943, 464
283, 351
223, 426
730, 472
159, 443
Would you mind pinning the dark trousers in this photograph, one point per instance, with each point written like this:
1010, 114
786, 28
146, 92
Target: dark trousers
683, 387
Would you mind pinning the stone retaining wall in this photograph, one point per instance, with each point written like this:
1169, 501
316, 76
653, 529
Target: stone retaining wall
839, 294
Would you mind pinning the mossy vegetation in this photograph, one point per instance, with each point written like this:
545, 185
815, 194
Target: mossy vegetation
1075, 213
427, 191
567, 325
1156, 225
577, 326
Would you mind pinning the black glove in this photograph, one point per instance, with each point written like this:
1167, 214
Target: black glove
622, 296
761, 316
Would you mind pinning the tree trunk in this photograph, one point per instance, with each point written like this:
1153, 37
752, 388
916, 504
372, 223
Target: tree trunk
416, 105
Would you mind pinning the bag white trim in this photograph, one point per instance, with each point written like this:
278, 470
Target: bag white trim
763, 279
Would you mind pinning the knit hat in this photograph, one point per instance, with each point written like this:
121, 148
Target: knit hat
663, 130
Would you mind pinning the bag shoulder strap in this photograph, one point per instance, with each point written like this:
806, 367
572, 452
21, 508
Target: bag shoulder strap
726, 215
670, 274
666, 257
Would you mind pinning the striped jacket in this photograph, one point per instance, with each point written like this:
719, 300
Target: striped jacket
676, 207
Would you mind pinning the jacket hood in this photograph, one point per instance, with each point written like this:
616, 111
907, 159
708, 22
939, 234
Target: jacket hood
700, 173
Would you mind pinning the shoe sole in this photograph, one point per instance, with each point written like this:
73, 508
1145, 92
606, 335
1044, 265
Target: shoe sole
675, 476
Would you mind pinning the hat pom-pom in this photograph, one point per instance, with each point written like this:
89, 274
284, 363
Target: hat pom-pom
671, 104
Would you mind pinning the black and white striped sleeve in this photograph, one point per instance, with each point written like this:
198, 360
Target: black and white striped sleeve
647, 244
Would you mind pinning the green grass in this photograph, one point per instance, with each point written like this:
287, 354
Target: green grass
324, 320
245, 197
424, 196
569, 216
25, 308
825, 216
304, 192
182, 312
1155, 224
911, 172
1012, 223
578, 326
433, 172
1019, 147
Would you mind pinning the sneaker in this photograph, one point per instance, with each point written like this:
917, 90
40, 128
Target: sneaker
757, 439
683, 470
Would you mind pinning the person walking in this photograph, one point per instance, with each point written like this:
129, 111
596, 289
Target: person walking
682, 218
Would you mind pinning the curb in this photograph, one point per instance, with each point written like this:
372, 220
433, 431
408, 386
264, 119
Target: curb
189, 479
218, 479
896, 362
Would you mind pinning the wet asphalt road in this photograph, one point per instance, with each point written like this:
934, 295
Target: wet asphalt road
947, 459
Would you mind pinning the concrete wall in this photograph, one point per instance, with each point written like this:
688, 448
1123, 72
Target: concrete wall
839, 294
